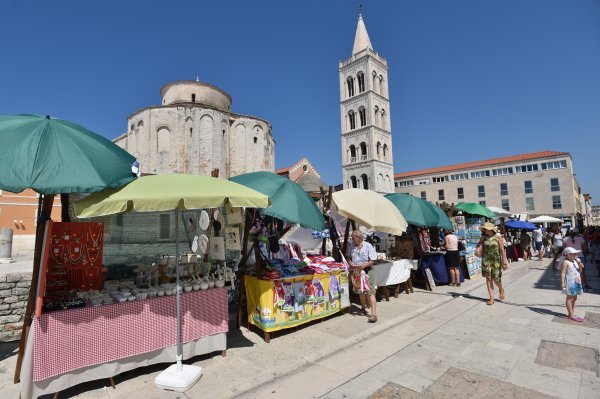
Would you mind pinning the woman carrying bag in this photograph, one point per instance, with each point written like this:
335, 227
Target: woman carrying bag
493, 259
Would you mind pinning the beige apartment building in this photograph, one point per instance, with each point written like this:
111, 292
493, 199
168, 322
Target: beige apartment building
541, 183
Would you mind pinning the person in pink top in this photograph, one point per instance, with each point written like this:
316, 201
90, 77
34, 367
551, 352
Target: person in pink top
452, 257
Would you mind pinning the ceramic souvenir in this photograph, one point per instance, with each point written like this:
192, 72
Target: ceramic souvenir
204, 220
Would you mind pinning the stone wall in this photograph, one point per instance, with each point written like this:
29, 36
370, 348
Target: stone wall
14, 289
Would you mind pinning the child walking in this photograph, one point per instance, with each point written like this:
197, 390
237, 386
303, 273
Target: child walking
571, 281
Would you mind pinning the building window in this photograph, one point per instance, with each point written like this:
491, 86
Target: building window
362, 114
461, 193
481, 191
502, 171
352, 153
350, 82
554, 165
193, 98
529, 204
556, 204
165, 226
441, 195
378, 148
304, 168
385, 150
422, 181
423, 195
440, 179
479, 174
482, 203
554, 186
376, 116
533, 167
363, 151
361, 82
352, 119
405, 183
505, 204
459, 176
503, 188
255, 140
528, 187
365, 182
353, 181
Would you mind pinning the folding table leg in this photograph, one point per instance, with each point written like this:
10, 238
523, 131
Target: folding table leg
112, 383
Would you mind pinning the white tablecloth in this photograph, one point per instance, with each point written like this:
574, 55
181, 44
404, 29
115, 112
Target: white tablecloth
394, 272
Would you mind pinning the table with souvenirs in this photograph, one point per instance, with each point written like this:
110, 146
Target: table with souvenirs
293, 292
88, 326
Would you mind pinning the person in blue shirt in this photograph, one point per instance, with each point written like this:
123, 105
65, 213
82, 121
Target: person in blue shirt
362, 258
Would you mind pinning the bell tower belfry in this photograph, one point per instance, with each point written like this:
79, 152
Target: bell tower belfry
367, 160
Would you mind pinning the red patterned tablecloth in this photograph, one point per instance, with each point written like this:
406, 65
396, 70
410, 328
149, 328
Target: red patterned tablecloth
71, 339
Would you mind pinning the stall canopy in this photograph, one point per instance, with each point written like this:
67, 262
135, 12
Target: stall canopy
370, 209
53, 156
164, 193
289, 201
520, 224
499, 211
475, 209
545, 219
419, 212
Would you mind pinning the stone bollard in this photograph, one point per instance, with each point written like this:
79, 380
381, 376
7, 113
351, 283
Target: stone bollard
6, 238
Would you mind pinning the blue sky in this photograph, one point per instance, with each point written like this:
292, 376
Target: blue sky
469, 79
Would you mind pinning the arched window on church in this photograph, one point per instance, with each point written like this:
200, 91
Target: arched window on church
193, 98
353, 181
362, 113
383, 117
378, 149
374, 74
363, 151
350, 82
352, 120
376, 116
361, 82
164, 139
365, 181
385, 150
352, 153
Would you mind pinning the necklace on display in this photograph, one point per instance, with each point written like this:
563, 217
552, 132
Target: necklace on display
93, 274
75, 249
76, 235
93, 254
56, 253
98, 235
56, 239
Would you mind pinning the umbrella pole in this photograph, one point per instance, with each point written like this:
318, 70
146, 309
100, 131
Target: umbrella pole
178, 288
44, 211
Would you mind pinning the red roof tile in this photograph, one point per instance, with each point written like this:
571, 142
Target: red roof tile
478, 164
284, 170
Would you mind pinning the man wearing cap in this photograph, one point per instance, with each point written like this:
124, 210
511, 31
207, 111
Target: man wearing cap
493, 259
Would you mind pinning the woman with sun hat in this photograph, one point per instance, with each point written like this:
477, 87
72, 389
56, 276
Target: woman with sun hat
493, 259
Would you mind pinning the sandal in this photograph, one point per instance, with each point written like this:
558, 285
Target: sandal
577, 319
372, 319
490, 302
362, 312
501, 297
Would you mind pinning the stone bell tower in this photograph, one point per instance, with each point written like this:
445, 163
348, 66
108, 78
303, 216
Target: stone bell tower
367, 160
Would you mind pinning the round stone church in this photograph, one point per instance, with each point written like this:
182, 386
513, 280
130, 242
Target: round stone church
194, 131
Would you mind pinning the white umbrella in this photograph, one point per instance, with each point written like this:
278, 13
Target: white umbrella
545, 219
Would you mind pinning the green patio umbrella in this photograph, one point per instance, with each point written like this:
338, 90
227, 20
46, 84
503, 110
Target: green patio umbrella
168, 193
289, 201
415, 210
53, 156
475, 209
444, 221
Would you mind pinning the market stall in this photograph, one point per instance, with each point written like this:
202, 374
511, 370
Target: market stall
132, 322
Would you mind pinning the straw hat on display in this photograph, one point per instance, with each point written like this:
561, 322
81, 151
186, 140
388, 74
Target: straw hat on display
489, 226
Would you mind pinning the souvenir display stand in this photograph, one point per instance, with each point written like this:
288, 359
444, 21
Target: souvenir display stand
394, 273
87, 328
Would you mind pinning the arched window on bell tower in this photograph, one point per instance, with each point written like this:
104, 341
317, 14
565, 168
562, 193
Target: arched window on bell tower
361, 82
378, 149
352, 120
350, 83
362, 113
365, 181
376, 116
383, 116
385, 151
352, 153
363, 151
374, 83
353, 181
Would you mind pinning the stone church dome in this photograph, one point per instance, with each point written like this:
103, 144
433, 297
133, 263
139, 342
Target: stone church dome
190, 91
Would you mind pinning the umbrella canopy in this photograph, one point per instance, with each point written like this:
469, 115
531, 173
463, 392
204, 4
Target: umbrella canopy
53, 156
418, 211
475, 209
370, 209
169, 192
499, 211
545, 219
289, 201
520, 224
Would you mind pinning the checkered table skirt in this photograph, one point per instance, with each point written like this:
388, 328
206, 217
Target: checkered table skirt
71, 339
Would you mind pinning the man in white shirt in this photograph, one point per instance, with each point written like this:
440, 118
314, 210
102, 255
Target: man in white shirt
538, 239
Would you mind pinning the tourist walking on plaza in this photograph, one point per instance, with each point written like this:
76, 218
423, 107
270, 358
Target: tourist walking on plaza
594, 237
525, 244
363, 256
452, 257
538, 240
557, 244
571, 281
493, 259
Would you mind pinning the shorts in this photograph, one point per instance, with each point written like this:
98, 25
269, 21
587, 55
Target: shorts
539, 245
